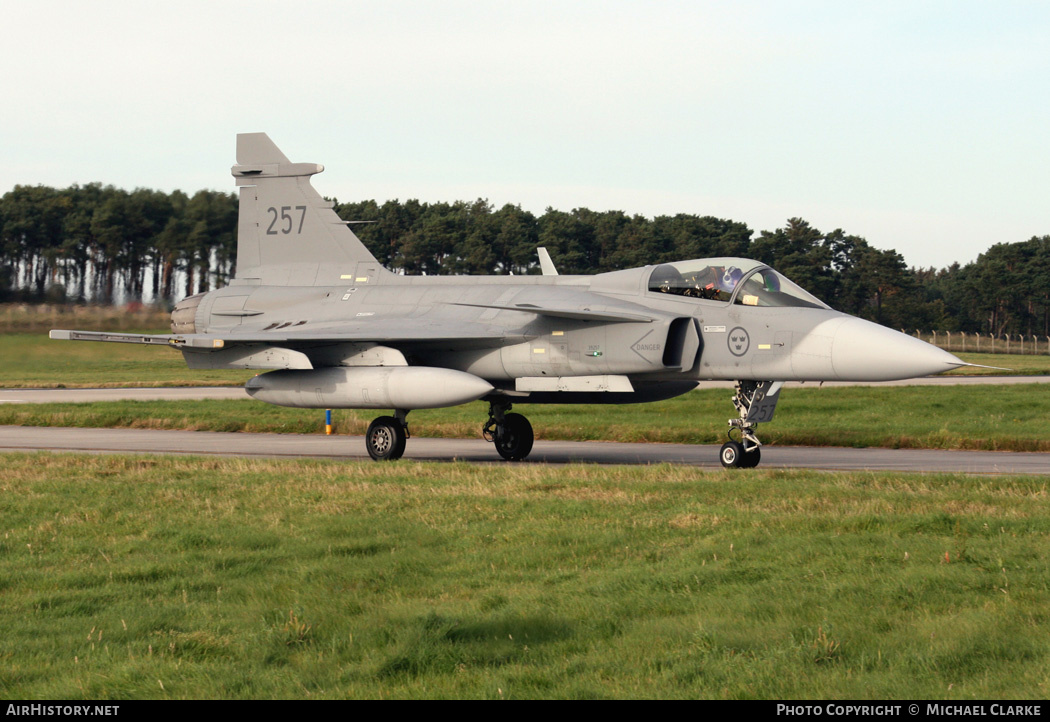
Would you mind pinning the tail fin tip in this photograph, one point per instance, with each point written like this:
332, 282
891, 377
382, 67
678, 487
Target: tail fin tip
257, 148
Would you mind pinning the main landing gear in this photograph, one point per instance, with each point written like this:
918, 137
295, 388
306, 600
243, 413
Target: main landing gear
386, 437
755, 401
511, 433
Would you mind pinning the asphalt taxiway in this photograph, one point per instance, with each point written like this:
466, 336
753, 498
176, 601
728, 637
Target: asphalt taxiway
18, 438
143, 441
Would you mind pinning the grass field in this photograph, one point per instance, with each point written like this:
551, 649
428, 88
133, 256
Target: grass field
1013, 365
173, 577
1008, 418
1013, 417
34, 361
129, 577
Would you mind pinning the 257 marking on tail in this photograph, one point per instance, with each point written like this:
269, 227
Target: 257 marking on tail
286, 217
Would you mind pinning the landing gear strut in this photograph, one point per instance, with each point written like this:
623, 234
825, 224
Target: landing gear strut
511, 433
755, 401
386, 436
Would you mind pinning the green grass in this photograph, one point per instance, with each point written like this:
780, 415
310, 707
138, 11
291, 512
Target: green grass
35, 361
1011, 417
129, 577
1015, 364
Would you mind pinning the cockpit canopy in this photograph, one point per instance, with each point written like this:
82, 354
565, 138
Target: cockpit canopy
737, 280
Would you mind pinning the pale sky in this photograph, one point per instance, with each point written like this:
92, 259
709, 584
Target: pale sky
922, 126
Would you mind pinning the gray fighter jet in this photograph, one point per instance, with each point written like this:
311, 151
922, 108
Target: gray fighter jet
337, 330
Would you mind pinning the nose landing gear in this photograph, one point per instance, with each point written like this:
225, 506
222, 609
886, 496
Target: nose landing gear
735, 455
755, 401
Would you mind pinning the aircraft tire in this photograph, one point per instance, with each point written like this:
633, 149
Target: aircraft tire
731, 455
514, 437
385, 439
751, 458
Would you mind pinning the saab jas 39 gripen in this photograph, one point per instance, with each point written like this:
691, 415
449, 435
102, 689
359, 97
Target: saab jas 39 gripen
335, 329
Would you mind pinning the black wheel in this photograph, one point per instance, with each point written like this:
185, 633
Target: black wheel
751, 458
514, 437
385, 439
732, 455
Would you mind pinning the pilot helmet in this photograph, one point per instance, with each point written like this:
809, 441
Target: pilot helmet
731, 277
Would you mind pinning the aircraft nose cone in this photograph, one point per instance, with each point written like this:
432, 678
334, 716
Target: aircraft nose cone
865, 351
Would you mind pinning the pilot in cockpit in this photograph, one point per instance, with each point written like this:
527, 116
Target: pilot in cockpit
713, 283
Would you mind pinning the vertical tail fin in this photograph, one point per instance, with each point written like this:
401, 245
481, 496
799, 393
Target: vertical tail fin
546, 264
287, 234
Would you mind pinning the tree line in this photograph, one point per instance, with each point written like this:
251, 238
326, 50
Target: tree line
99, 243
